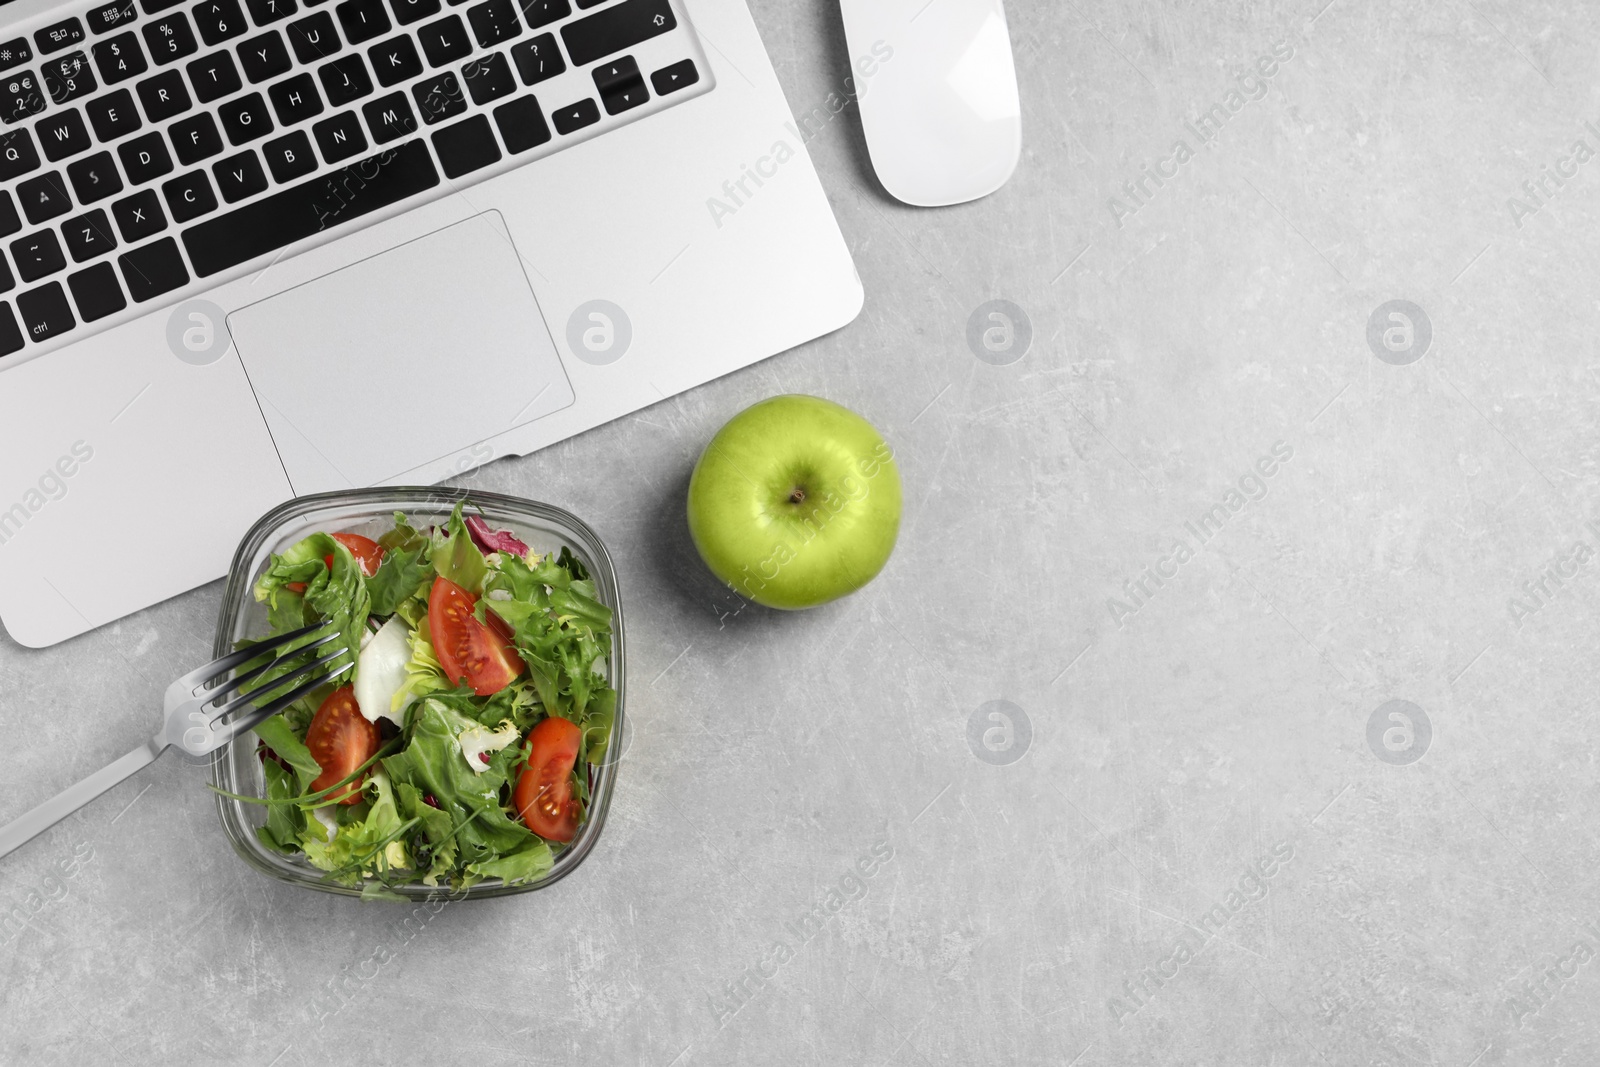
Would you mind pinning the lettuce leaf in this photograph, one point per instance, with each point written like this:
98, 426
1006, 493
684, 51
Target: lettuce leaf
338, 595
455, 557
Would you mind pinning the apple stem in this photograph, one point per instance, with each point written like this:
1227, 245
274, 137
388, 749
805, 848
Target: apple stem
797, 496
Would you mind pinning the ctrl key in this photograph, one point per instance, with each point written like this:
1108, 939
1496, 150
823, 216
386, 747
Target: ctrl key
45, 312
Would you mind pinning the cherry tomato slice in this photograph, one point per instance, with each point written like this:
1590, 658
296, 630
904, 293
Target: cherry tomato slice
368, 554
340, 740
543, 796
466, 647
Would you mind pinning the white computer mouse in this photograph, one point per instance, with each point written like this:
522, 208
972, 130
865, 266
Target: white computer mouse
937, 89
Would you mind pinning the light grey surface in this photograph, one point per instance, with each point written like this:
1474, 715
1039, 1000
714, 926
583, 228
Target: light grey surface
1228, 715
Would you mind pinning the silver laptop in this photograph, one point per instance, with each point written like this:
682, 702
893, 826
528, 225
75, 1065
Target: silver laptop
254, 249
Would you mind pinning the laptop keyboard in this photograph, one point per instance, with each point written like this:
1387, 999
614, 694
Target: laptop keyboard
150, 147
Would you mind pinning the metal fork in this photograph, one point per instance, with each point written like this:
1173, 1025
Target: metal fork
197, 722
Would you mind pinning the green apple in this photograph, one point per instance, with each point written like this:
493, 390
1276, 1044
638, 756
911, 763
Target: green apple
795, 502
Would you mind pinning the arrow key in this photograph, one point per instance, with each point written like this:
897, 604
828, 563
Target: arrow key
678, 76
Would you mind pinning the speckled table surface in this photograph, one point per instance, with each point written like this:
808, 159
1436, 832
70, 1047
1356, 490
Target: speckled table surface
1274, 541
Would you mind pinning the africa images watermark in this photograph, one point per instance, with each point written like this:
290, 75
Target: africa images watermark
52, 889
52, 485
1525, 998
1552, 178
1541, 590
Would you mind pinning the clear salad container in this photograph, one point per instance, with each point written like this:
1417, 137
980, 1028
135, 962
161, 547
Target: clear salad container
236, 768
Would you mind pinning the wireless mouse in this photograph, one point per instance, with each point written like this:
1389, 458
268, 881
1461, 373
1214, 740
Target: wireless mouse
937, 88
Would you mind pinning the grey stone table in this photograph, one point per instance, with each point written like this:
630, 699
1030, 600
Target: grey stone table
1289, 590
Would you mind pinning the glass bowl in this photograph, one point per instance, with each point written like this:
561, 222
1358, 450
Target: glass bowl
237, 769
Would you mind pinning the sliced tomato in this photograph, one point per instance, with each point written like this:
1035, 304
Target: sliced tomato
368, 554
543, 796
467, 649
340, 740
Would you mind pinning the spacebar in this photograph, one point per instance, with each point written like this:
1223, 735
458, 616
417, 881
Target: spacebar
309, 208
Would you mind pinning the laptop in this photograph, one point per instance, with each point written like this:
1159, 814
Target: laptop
256, 249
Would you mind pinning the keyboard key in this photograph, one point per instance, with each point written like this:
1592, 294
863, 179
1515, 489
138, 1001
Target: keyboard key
575, 117
94, 177
97, 292
214, 77
68, 78
10, 221
616, 29
195, 138
264, 57
20, 96
340, 137
17, 51
113, 115
164, 96
218, 20
10, 333
300, 211
290, 157
439, 97
408, 11
189, 196
37, 255
389, 117
62, 135
395, 61
344, 80
493, 22
169, 39
538, 59
245, 118
44, 197
45, 312
150, 7
538, 13
8, 282
362, 20
54, 38
296, 99
313, 38
522, 125
624, 96
466, 146
267, 11
119, 58
139, 216
488, 78
107, 18
88, 235
590, 3
154, 269
144, 159
614, 73
445, 41
680, 75
17, 154
239, 176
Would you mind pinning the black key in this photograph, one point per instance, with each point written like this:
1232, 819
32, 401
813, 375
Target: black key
88, 235
488, 78
616, 29
362, 20
107, 18
62, 135
680, 75
624, 97
68, 78
10, 332
245, 118
239, 176
590, 3
169, 39
313, 38
300, 211
340, 137
616, 72
466, 146
395, 61
139, 216
37, 254
264, 57
113, 115
17, 154
538, 59
119, 58
575, 116
195, 138
45, 312
439, 97
44, 197
444, 41
267, 11
152, 6
538, 13
219, 20
165, 95
17, 51
296, 99
290, 157
408, 11
389, 117
145, 159
97, 292
154, 269
7, 283
20, 96
60, 35
94, 177
214, 77
493, 22
189, 196
522, 124
344, 80
10, 221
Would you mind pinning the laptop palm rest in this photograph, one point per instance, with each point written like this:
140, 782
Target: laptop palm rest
402, 359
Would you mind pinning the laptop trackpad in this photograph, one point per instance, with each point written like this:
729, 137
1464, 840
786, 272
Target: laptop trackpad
408, 357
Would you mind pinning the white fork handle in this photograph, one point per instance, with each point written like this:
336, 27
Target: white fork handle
18, 832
